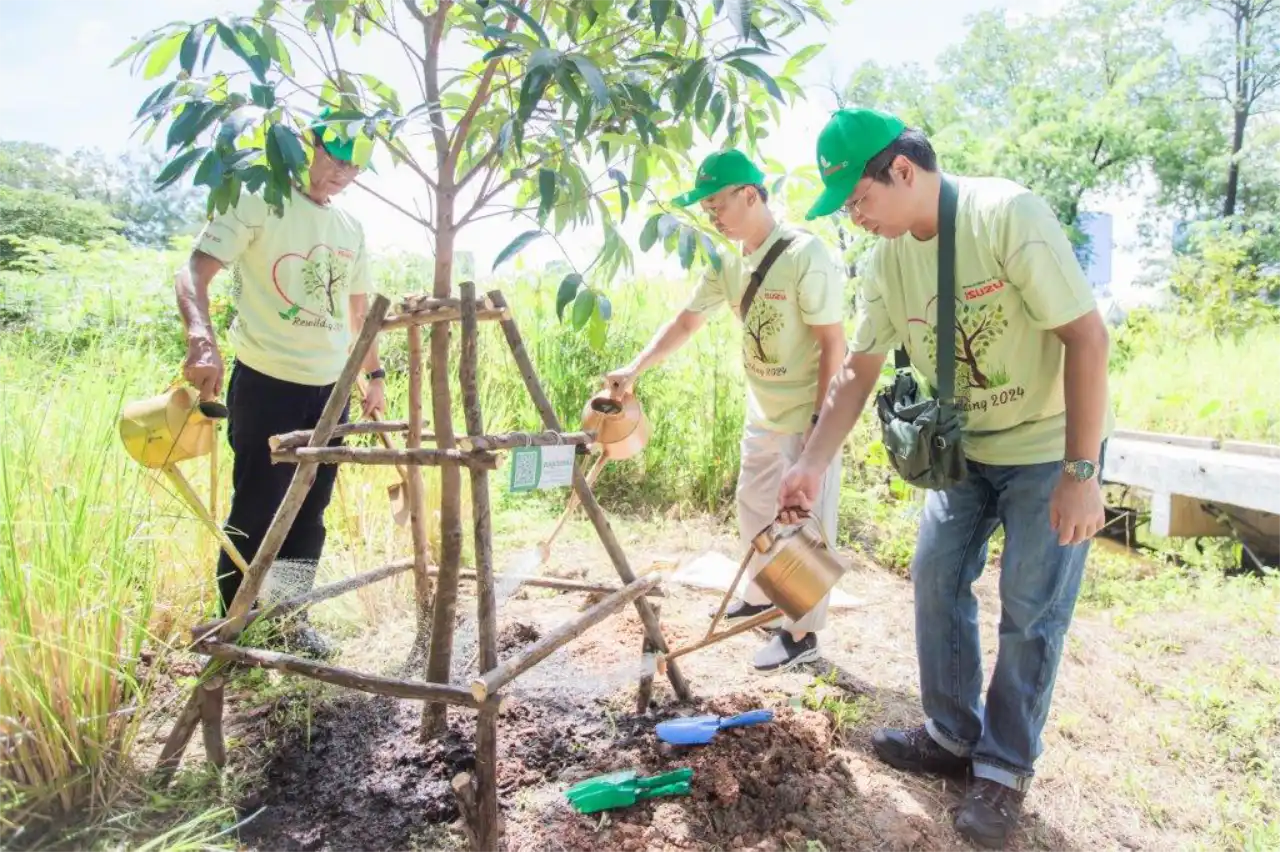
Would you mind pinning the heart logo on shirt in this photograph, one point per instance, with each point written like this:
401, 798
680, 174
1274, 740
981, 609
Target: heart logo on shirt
315, 283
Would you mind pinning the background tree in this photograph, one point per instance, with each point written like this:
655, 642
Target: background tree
572, 108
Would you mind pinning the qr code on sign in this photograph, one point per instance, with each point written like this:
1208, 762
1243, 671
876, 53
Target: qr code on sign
525, 472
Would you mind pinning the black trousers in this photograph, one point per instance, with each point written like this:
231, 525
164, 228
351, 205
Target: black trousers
261, 406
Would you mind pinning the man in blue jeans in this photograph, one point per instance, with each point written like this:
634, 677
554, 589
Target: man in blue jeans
1031, 379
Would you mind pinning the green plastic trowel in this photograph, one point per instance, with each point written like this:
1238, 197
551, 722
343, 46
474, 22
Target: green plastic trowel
623, 789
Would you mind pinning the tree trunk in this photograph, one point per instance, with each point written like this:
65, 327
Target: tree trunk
1233, 170
435, 716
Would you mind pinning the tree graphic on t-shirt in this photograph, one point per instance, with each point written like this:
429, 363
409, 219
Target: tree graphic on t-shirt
324, 278
763, 323
977, 327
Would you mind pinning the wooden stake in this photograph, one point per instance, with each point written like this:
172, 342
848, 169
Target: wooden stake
297, 602
304, 476
417, 500
645, 694
487, 833
511, 440
444, 617
494, 679
592, 508
750, 624
339, 676
724, 601
183, 727
464, 790
215, 747
301, 437
383, 456
439, 316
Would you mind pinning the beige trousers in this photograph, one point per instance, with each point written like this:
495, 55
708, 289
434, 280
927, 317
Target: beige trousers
766, 457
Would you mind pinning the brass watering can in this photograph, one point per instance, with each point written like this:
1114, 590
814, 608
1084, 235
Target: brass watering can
799, 568
172, 427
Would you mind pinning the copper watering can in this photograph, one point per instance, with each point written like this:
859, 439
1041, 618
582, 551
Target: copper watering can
620, 425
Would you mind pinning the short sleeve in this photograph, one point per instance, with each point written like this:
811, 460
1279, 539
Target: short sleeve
821, 287
709, 294
227, 235
873, 332
1040, 264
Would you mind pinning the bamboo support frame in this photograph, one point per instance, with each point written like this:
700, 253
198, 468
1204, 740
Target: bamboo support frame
750, 624
494, 679
486, 830
338, 676
301, 437
382, 456
589, 503
417, 519
645, 693
440, 315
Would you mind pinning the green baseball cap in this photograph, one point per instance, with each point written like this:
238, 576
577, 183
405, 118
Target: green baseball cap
718, 171
845, 146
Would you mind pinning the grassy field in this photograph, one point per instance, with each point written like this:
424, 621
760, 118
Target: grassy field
101, 567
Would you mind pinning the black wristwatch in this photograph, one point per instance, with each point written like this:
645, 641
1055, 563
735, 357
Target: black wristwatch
376, 374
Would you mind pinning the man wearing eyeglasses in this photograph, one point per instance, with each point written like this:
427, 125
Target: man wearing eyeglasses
1031, 381
792, 344
299, 289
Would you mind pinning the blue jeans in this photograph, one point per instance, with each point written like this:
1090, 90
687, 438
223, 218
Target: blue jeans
1039, 583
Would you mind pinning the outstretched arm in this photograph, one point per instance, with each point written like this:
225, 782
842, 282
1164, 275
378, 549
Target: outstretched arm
666, 341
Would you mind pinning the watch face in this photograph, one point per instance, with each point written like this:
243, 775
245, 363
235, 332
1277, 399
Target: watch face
1081, 469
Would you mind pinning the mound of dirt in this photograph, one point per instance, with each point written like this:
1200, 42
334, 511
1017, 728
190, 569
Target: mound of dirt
765, 786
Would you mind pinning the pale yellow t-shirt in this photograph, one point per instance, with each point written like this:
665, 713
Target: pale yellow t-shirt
1016, 280
292, 276
780, 354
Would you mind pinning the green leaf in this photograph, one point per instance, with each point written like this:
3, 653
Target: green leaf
709, 249
794, 12
277, 49
546, 191
288, 151
178, 166
258, 65
210, 171
513, 248
593, 78
705, 88
236, 124
739, 14
190, 49
529, 22
568, 289
667, 225
758, 73
583, 306
649, 235
687, 237
717, 112
498, 52
800, 58
195, 117
531, 91
598, 328
745, 51
264, 95
162, 55
622, 189
604, 307
686, 85
652, 56
659, 9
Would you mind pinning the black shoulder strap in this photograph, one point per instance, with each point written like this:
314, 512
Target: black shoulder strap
757, 277
946, 354
946, 357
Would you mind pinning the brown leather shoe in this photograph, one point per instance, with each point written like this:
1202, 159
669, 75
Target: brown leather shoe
990, 813
914, 750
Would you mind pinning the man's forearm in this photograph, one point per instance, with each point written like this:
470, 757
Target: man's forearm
1085, 392
829, 363
191, 286
843, 405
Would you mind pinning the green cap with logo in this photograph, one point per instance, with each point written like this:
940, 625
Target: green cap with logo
850, 140
721, 170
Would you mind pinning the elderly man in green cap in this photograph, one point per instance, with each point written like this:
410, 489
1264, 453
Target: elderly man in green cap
787, 292
1030, 380
299, 287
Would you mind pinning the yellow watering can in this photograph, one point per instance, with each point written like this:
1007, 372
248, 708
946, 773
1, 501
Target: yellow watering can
176, 426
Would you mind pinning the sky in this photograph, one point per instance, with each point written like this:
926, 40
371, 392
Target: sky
57, 87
